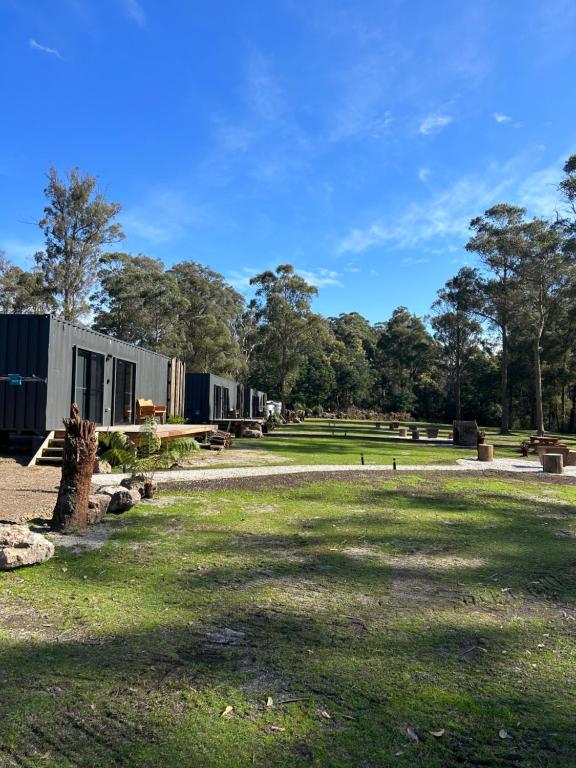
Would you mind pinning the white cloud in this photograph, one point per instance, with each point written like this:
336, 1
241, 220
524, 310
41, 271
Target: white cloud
434, 123
423, 174
320, 277
447, 213
135, 12
500, 117
44, 48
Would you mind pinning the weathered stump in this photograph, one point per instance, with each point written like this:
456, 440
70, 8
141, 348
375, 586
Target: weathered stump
552, 463
485, 452
80, 446
402, 431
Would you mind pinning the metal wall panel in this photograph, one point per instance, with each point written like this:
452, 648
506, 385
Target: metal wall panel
24, 350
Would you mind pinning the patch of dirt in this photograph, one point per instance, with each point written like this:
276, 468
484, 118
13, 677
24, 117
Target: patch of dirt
91, 539
238, 457
26, 492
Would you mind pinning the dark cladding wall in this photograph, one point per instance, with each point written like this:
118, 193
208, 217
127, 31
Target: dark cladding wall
45, 346
199, 399
151, 369
23, 350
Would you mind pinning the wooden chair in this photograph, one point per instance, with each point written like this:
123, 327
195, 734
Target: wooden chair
146, 408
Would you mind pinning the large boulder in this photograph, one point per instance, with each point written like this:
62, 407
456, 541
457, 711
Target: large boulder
102, 467
98, 504
20, 546
121, 499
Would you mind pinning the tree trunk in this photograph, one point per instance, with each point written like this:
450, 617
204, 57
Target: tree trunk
505, 402
539, 414
458, 377
80, 446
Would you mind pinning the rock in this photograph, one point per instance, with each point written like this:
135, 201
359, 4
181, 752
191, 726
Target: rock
252, 433
98, 504
102, 467
136, 482
20, 546
121, 499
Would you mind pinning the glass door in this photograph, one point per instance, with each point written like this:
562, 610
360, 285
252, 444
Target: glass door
89, 385
124, 385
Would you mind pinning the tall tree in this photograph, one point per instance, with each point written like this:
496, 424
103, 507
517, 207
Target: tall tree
498, 240
545, 271
77, 223
405, 364
455, 327
284, 315
138, 301
351, 359
208, 319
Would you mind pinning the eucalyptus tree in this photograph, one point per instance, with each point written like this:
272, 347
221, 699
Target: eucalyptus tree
78, 221
208, 319
456, 328
24, 292
545, 272
498, 240
405, 364
138, 301
283, 311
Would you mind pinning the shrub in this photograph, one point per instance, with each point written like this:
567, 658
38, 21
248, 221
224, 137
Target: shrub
180, 448
120, 450
176, 420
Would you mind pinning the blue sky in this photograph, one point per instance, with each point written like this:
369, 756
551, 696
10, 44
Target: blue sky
352, 139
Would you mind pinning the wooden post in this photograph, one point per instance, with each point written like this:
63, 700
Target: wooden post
485, 452
80, 446
552, 463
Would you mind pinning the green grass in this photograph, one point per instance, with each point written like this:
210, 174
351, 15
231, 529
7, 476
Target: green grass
367, 611
340, 450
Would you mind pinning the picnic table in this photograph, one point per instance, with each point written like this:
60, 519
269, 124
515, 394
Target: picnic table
537, 440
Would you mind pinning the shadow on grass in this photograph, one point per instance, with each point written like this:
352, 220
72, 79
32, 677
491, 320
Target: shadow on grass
330, 609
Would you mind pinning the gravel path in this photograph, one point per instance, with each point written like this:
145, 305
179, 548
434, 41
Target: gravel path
464, 465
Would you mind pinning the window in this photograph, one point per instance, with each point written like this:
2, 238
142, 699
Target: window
124, 384
89, 385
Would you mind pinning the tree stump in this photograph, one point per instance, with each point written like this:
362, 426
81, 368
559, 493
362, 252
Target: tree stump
80, 446
552, 463
485, 452
402, 431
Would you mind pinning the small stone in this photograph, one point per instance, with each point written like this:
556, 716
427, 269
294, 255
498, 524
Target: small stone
102, 467
19, 546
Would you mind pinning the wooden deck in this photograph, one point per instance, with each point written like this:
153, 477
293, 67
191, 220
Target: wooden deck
164, 431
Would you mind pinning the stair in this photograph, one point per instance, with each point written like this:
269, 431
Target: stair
50, 452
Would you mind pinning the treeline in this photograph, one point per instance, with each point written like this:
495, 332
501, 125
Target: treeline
499, 345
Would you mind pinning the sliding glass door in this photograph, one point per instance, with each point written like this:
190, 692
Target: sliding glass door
124, 385
89, 385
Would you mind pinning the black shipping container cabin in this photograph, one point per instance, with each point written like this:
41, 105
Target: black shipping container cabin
210, 398
103, 375
254, 404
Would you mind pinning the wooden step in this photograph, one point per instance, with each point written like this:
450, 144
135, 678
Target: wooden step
53, 461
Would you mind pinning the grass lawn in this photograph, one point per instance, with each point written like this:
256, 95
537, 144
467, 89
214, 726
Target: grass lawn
342, 623
341, 450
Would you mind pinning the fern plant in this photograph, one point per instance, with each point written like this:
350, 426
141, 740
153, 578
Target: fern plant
120, 450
